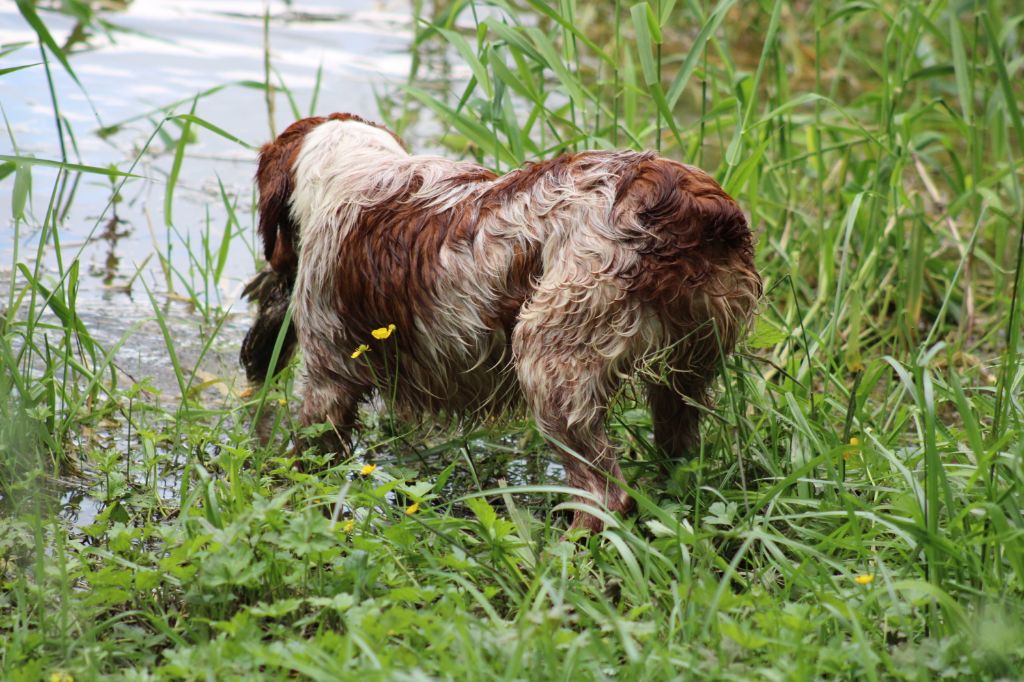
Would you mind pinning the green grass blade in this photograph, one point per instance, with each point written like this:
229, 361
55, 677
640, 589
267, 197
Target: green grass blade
179, 158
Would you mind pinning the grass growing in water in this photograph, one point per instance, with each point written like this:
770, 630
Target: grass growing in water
854, 511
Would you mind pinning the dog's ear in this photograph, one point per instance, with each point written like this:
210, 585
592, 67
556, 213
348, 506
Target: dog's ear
274, 179
272, 291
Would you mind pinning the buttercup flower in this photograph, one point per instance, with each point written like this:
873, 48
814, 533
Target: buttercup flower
61, 676
359, 351
864, 579
368, 469
383, 332
412, 509
854, 441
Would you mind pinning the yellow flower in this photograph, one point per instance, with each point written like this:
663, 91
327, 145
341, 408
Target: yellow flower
282, 402
854, 440
61, 676
412, 509
359, 351
368, 469
349, 526
383, 332
864, 579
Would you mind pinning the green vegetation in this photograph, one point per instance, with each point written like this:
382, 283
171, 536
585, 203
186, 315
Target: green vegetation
855, 511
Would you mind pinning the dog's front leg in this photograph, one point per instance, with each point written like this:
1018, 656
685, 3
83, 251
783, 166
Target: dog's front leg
335, 403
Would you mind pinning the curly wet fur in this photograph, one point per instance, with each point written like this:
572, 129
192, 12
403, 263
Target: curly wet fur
546, 287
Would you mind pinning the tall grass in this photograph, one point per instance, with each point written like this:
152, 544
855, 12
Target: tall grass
854, 510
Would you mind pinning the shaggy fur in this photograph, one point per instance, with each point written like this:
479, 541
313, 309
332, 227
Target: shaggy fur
547, 286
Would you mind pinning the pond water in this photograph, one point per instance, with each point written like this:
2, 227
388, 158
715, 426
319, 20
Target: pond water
149, 54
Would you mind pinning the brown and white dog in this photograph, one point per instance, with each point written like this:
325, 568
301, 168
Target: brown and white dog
544, 287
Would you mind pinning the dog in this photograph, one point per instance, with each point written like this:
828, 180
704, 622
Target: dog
544, 288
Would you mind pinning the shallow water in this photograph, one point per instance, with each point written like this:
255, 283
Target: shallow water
156, 53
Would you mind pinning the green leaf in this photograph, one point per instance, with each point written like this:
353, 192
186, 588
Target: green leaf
111, 172
515, 38
477, 133
666, 11
766, 334
179, 157
22, 189
276, 609
11, 69
191, 118
169, 342
483, 511
28, 11
146, 580
11, 48
554, 61
544, 7
643, 42
745, 637
654, 25
696, 50
960, 67
66, 315
506, 76
468, 54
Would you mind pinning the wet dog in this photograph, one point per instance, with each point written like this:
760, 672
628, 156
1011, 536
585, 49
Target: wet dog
543, 288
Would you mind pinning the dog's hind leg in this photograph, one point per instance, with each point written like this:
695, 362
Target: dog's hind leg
675, 414
675, 421
569, 401
568, 344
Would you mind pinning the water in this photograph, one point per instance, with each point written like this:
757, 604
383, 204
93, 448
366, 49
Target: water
154, 53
